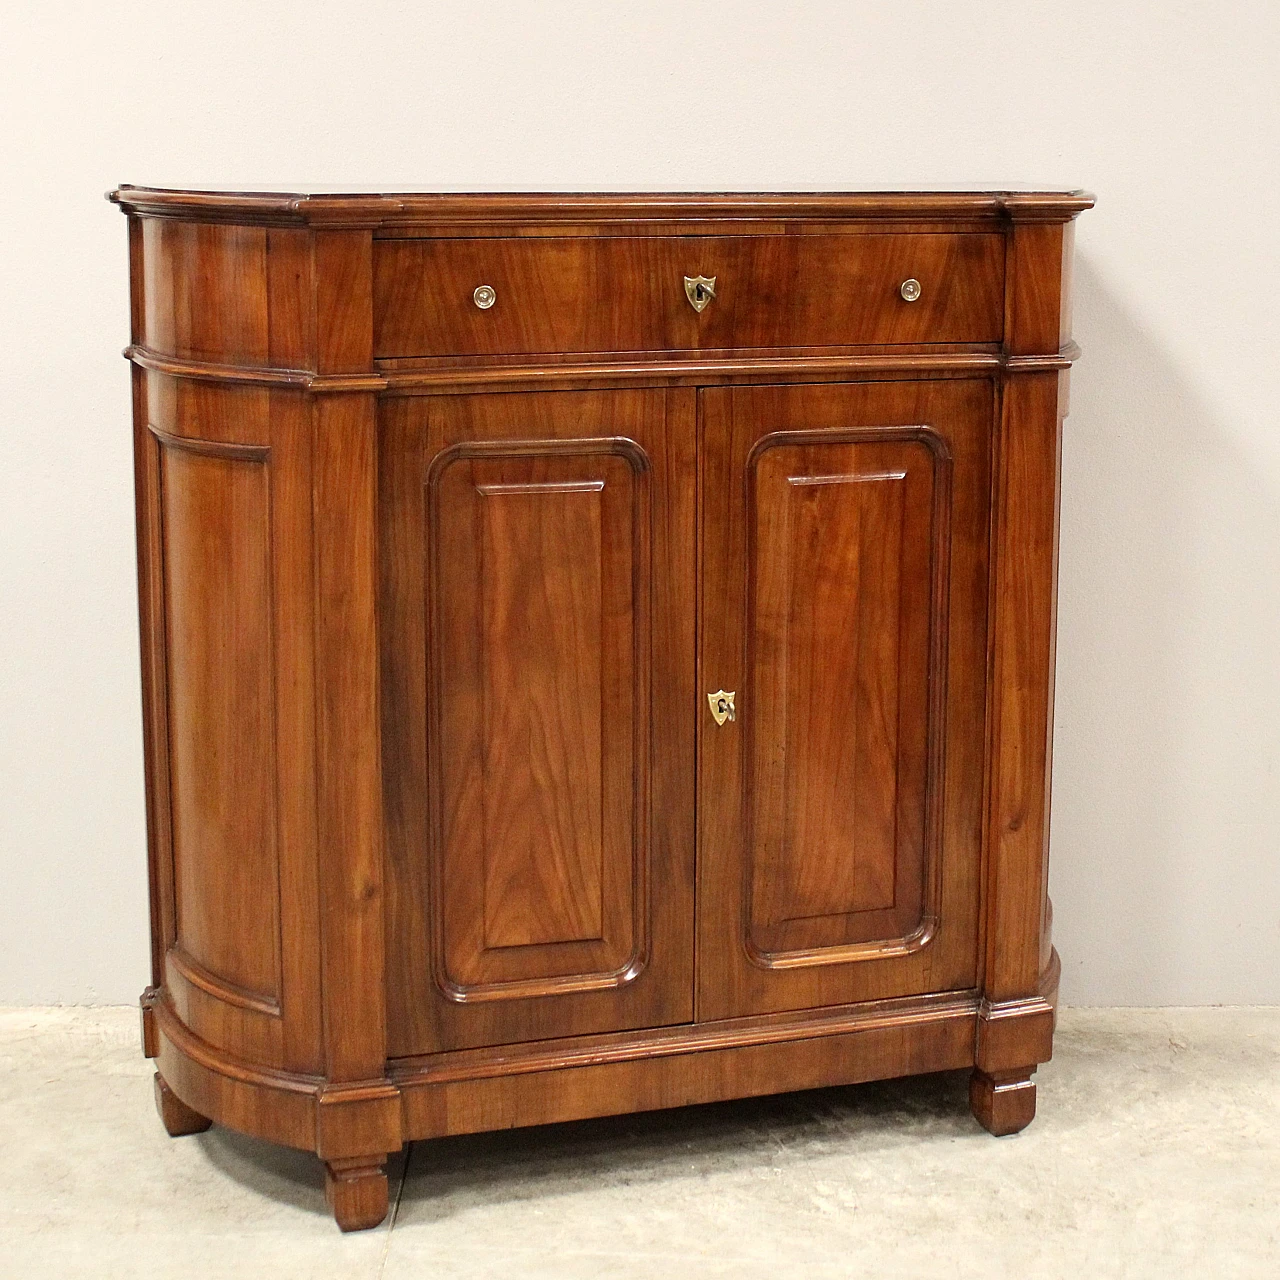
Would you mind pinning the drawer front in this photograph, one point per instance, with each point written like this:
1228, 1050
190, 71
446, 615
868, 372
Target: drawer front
596, 294
844, 290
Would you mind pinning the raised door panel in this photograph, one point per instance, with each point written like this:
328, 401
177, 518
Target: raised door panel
844, 602
538, 669
847, 546
537, 591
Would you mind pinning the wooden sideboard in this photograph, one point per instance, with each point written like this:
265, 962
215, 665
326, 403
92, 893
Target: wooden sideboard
597, 652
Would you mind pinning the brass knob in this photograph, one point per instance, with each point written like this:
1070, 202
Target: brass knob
910, 290
485, 296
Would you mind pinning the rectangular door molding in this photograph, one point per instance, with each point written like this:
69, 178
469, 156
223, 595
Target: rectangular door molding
844, 602
847, 559
538, 622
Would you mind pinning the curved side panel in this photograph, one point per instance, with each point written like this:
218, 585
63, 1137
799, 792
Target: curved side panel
205, 290
226, 589
216, 517
226, 611
229, 294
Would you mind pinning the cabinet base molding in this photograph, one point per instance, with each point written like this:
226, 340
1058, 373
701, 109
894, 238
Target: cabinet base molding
477, 1090
1012, 1033
547, 1095
276, 1105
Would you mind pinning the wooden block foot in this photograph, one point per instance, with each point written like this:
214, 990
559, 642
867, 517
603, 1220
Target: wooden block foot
1005, 1102
356, 1191
177, 1118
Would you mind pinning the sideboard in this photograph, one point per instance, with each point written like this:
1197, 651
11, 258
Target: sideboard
597, 652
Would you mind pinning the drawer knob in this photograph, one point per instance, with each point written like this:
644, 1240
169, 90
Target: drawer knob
699, 290
910, 290
485, 296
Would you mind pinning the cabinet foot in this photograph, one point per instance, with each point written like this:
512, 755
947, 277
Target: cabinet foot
177, 1118
356, 1191
1005, 1102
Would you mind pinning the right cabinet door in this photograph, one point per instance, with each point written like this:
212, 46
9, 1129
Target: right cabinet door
844, 604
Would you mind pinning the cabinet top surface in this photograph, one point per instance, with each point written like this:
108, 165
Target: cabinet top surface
374, 210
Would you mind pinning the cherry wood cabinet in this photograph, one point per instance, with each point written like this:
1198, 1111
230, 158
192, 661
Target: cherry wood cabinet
597, 652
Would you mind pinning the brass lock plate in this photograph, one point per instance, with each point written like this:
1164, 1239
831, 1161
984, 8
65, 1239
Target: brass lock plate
699, 290
722, 706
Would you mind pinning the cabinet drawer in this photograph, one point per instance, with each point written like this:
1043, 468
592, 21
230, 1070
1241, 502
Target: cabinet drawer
598, 294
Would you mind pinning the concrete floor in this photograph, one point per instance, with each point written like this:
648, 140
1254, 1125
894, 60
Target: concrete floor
1156, 1153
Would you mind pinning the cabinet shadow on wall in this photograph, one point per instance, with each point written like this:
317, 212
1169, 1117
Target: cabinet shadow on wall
1164, 831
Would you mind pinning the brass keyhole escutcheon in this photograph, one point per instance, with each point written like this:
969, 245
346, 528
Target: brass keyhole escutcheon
699, 290
722, 706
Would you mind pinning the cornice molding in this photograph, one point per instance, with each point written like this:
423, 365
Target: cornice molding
373, 211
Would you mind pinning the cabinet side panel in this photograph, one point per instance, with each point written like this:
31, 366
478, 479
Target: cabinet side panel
218, 614
1023, 621
225, 574
155, 738
146, 483
1038, 307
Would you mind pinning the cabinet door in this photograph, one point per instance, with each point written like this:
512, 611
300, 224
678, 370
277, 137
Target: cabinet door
844, 604
538, 669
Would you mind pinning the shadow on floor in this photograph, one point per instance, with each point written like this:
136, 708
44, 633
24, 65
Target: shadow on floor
648, 1147
561, 1159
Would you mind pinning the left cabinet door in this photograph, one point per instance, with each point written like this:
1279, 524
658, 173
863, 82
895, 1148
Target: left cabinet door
538, 655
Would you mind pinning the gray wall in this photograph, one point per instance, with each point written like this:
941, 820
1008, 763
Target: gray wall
1166, 831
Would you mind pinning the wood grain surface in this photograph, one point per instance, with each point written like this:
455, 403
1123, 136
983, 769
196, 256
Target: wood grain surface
442, 836
833, 864
596, 294
538, 663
